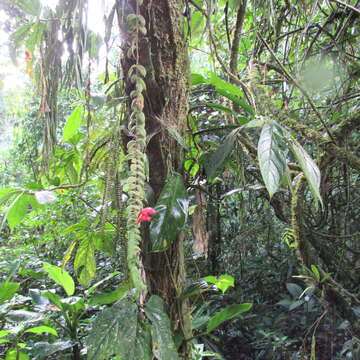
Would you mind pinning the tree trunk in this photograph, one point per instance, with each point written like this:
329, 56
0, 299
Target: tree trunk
163, 52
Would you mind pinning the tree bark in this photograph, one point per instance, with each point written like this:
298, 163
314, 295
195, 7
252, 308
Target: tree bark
163, 52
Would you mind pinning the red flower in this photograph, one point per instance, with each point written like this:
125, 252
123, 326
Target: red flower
144, 214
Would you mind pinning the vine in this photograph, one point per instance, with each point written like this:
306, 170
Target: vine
136, 148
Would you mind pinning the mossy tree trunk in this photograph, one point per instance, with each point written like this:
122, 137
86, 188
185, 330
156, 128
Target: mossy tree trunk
163, 52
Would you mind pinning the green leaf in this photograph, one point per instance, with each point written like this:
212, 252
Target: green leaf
110, 297
220, 107
21, 33
197, 79
171, 214
13, 354
31, 7
72, 123
118, 330
61, 277
7, 291
316, 272
271, 159
84, 263
36, 35
294, 289
222, 283
163, 342
226, 314
215, 161
224, 85
4, 333
24, 316
17, 210
308, 166
41, 330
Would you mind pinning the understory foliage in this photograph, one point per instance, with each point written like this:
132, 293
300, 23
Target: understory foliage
180, 180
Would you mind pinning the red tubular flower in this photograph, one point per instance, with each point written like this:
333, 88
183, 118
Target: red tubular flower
145, 214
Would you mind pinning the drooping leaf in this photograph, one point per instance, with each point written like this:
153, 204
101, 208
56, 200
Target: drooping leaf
36, 35
226, 314
197, 79
72, 123
271, 159
171, 214
84, 263
308, 166
163, 342
7, 291
61, 277
41, 330
119, 331
215, 162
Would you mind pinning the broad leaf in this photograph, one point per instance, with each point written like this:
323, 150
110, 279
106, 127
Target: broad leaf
7, 291
61, 277
72, 123
17, 210
226, 314
308, 166
163, 342
41, 330
271, 159
171, 214
215, 162
118, 331
13, 354
110, 297
24, 316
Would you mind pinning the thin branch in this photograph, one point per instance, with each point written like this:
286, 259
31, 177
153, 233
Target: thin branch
353, 8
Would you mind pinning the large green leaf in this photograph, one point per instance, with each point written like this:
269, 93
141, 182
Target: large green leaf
84, 263
41, 330
308, 166
119, 331
163, 342
223, 282
7, 291
110, 297
226, 314
13, 354
72, 123
17, 210
271, 159
215, 161
61, 277
171, 214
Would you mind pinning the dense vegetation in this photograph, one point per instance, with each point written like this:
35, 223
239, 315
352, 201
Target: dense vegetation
179, 179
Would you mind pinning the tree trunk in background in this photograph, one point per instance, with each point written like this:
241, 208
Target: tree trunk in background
163, 52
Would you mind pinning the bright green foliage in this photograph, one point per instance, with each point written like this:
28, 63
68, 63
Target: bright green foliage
7, 291
61, 277
72, 123
223, 282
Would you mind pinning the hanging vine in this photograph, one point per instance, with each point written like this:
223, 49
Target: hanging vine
136, 148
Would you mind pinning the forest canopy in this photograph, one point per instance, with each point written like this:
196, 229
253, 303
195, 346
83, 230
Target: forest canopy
179, 179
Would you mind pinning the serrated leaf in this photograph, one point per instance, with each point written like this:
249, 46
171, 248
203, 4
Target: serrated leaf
226, 314
163, 342
271, 159
72, 123
308, 166
84, 263
118, 331
171, 214
61, 277
7, 291
215, 162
